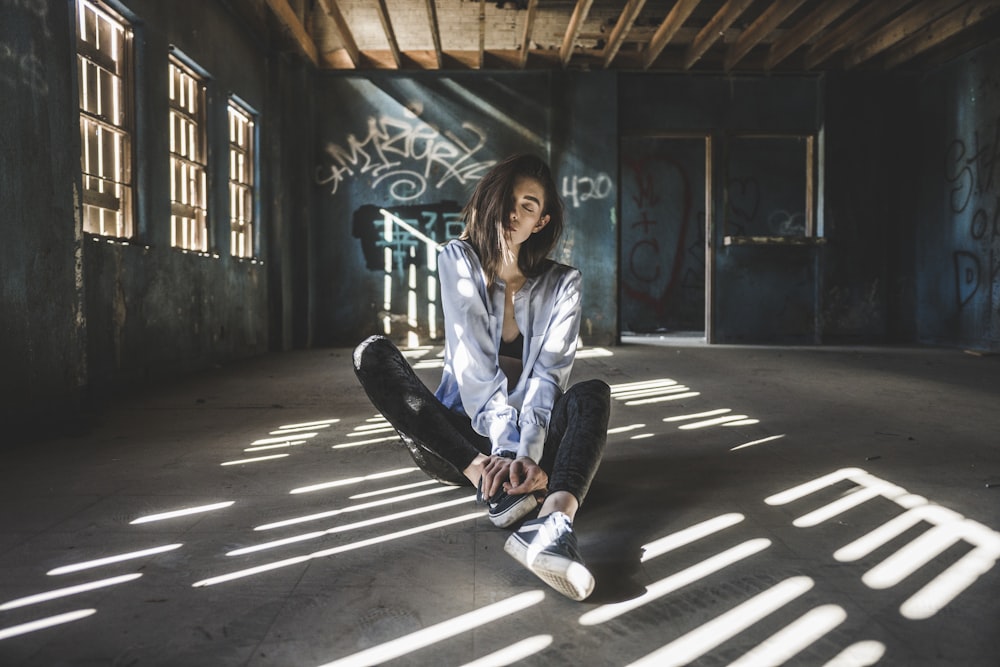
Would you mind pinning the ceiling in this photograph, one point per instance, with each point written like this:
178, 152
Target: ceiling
708, 36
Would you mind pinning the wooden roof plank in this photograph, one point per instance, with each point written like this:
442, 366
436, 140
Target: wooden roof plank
679, 13
529, 26
715, 28
482, 33
290, 20
946, 27
898, 29
432, 19
856, 26
573, 30
768, 20
621, 29
806, 29
346, 36
390, 34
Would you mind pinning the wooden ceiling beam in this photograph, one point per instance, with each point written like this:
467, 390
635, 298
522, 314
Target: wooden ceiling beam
946, 27
290, 20
390, 34
897, 30
482, 33
768, 20
346, 36
529, 27
573, 30
855, 27
621, 29
824, 15
679, 13
714, 29
432, 18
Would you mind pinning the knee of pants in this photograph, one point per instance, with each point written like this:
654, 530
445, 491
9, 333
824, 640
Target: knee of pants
596, 388
366, 347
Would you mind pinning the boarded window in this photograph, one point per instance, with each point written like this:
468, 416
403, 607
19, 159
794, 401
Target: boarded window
104, 43
188, 159
241, 180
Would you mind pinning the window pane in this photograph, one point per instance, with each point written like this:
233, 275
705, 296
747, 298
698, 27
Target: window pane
767, 190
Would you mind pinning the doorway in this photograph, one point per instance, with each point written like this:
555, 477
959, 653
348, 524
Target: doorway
665, 282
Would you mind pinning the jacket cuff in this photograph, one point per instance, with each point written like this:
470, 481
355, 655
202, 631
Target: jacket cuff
504, 437
532, 442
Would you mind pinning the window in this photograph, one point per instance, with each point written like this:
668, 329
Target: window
188, 159
104, 42
241, 180
771, 194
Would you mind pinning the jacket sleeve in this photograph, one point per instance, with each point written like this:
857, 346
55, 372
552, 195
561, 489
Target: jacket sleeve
469, 332
549, 373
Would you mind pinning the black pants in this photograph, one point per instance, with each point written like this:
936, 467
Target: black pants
443, 443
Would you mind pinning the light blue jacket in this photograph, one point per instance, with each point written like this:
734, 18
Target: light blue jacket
547, 311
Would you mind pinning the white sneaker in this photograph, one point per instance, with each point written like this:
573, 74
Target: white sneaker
547, 546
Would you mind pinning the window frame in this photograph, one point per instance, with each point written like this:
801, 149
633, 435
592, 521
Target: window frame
190, 227
812, 229
247, 224
121, 201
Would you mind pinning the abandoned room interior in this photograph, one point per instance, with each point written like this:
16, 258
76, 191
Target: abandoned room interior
787, 218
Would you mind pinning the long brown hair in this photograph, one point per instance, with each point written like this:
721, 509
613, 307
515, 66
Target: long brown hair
487, 216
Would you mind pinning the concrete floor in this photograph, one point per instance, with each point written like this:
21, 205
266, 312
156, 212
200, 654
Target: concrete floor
708, 549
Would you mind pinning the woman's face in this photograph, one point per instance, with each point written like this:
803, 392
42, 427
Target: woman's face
526, 217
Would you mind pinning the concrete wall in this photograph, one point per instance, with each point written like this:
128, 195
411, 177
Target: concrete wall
83, 316
866, 291
957, 217
42, 318
417, 145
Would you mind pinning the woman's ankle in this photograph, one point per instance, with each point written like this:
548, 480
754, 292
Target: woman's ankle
560, 501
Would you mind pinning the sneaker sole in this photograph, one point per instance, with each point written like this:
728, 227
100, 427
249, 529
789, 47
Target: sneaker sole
515, 512
564, 575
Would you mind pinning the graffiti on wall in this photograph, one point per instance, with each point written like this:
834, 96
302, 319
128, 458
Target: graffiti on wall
579, 189
974, 200
406, 156
745, 195
402, 161
663, 246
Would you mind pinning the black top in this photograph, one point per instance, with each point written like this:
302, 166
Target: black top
514, 348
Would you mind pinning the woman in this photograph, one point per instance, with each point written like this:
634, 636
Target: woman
502, 418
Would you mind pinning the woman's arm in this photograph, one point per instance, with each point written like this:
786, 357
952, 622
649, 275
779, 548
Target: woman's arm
548, 373
470, 333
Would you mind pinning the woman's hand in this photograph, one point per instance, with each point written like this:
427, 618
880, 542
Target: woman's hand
524, 476
496, 472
